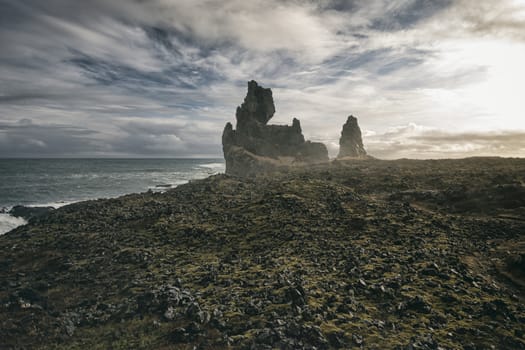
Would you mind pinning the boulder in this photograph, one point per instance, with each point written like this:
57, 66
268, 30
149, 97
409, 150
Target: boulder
30, 213
256, 147
351, 143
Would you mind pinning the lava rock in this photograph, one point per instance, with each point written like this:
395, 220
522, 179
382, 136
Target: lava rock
351, 143
256, 147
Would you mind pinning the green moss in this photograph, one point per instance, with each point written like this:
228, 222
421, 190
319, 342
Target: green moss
238, 246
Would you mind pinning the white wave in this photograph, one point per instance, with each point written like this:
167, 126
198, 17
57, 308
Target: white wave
214, 166
8, 222
52, 204
167, 185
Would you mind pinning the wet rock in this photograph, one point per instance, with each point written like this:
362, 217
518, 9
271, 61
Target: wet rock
163, 186
30, 213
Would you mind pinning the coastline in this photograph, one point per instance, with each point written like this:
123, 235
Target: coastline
384, 254
40, 183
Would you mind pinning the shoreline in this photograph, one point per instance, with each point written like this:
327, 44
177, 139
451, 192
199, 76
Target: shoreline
366, 254
4, 213
167, 174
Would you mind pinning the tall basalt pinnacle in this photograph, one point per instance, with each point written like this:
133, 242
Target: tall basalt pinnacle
256, 147
257, 106
351, 142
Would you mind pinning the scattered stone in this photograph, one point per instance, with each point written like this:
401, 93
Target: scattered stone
296, 296
278, 260
170, 314
357, 339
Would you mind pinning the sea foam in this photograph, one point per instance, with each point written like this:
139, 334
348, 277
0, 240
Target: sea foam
214, 166
9, 222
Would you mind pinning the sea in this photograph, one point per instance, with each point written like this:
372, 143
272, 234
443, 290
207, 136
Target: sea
59, 182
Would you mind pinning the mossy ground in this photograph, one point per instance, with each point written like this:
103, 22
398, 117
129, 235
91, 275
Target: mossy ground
372, 254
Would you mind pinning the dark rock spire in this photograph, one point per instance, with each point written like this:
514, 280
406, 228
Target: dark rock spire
351, 143
255, 147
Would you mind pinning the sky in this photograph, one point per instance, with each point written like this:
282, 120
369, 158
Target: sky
160, 78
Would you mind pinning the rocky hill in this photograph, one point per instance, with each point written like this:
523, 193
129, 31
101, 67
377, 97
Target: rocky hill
370, 254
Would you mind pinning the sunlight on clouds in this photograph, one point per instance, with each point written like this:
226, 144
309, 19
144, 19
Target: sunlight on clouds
162, 77
496, 102
502, 93
417, 141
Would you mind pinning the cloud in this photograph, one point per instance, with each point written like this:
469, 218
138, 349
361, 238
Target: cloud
130, 137
416, 141
161, 78
25, 138
482, 17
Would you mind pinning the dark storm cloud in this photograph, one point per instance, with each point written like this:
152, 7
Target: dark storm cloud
410, 13
25, 139
163, 38
129, 77
165, 138
14, 99
184, 75
160, 138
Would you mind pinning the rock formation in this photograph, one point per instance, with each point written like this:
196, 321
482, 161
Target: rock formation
256, 147
30, 213
351, 143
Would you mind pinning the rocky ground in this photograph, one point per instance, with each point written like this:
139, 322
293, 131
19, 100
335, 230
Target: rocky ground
359, 254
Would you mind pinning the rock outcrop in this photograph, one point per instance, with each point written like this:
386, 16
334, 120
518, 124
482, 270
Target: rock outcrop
351, 143
256, 147
29, 213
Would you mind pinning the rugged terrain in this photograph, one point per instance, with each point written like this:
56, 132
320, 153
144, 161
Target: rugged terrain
355, 254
